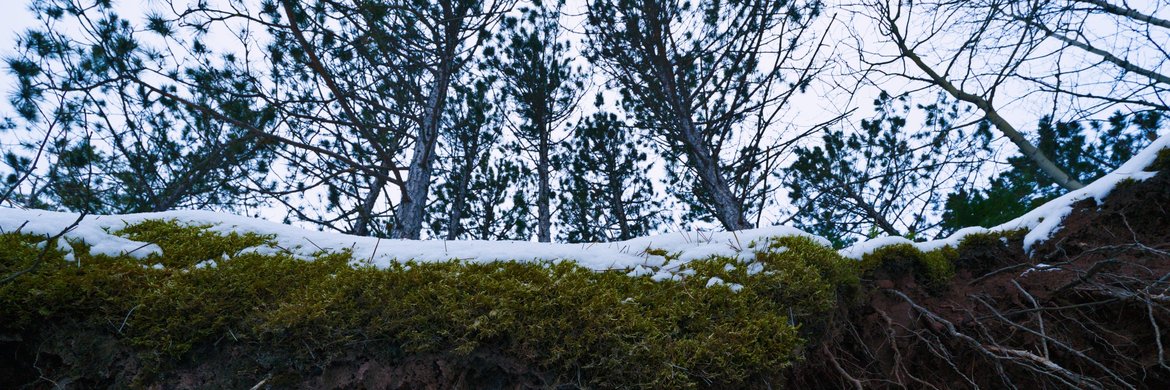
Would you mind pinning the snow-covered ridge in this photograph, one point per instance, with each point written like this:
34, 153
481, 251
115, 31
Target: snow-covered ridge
1045, 220
96, 230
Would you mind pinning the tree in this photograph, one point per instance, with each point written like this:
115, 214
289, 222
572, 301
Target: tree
499, 208
1019, 189
709, 79
995, 54
889, 176
467, 145
338, 90
539, 77
113, 146
446, 34
607, 195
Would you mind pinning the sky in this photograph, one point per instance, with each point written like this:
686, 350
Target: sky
820, 103
14, 18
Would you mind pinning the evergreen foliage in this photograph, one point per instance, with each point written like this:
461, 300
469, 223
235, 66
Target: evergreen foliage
543, 84
887, 178
1087, 150
607, 194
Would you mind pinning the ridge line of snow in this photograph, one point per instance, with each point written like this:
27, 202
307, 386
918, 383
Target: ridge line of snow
1041, 222
96, 230
303, 243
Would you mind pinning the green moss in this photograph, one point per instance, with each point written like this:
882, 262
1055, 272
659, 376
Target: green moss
1161, 162
187, 245
933, 269
662, 252
604, 329
990, 239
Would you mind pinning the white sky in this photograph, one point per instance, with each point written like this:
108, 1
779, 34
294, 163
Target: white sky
14, 18
817, 104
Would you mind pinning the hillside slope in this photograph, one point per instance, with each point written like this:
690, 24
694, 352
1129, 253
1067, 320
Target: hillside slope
1074, 295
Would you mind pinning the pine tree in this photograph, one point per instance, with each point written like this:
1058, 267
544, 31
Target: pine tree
708, 79
887, 177
535, 64
112, 145
607, 195
1021, 187
467, 144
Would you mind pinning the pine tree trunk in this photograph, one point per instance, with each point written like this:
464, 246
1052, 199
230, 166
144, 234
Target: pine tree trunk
544, 217
418, 181
727, 209
618, 207
366, 209
455, 217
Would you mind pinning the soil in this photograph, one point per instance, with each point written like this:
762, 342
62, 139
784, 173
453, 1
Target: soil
1088, 308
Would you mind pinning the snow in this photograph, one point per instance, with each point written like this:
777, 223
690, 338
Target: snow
1045, 220
866, 247
97, 230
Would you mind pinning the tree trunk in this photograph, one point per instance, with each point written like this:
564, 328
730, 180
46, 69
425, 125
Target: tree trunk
366, 209
615, 198
455, 216
544, 217
726, 207
418, 182
1046, 166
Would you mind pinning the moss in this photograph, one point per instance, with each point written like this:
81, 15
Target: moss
662, 252
1161, 162
934, 269
974, 241
187, 245
602, 329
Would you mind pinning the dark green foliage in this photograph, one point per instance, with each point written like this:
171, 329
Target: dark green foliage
114, 145
697, 77
606, 194
543, 85
884, 179
480, 175
604, 329
1022, 188
1161, 162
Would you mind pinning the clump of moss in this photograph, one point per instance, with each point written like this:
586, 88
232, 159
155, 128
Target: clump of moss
1161, 162
980, 253
993, 238
806, 278
933, 269
186, 245
600, 329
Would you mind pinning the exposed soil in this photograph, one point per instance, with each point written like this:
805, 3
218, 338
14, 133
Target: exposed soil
1088, 309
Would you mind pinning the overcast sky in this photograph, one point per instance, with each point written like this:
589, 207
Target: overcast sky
14, 18
822, 101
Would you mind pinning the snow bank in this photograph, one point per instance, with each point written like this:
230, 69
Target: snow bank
631, 254
1045, 220
97, 231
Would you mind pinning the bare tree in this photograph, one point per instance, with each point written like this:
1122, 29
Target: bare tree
710, 79
994, 54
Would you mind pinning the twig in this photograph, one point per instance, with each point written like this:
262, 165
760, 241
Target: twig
44, 251
1039, 316
127, 318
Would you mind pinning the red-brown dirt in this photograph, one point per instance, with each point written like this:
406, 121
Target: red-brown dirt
1097, 317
